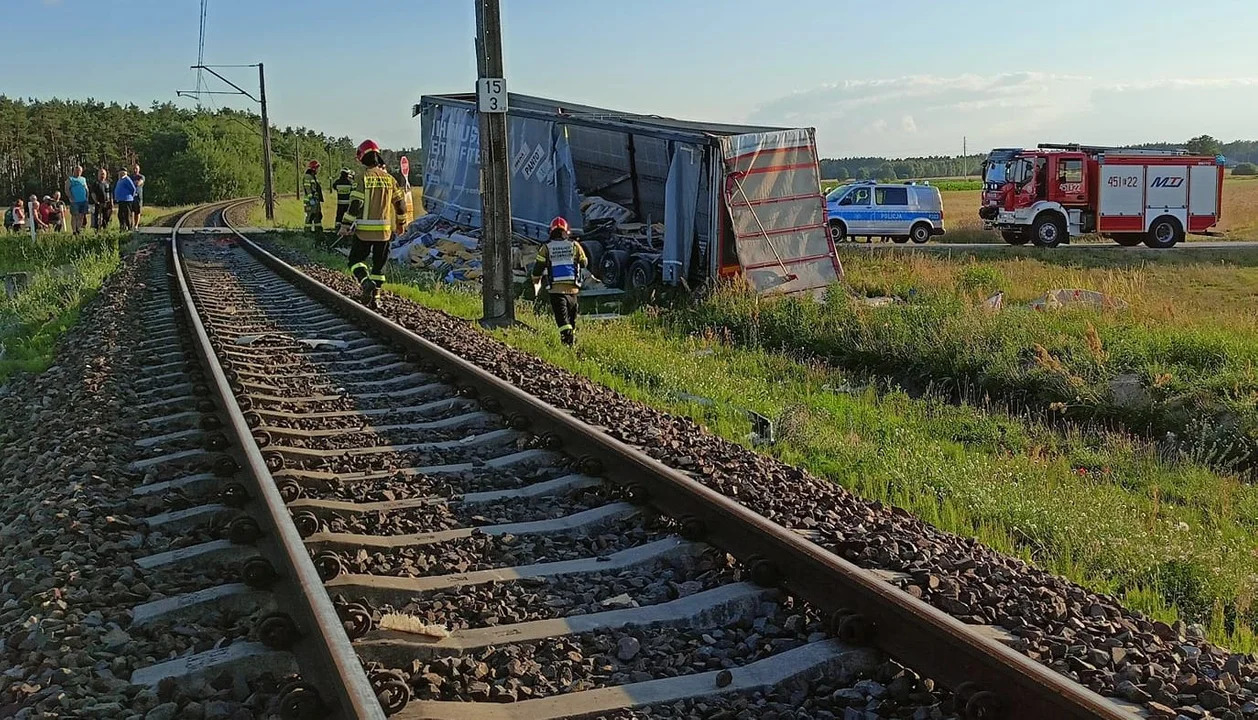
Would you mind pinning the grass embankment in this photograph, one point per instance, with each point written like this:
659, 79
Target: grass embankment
1183, 359
291, 213
64, 271
1171, 537
961, 200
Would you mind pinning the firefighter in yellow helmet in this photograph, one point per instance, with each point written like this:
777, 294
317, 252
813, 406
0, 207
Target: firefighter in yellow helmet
313, 192
343, 186
560, 261
375, 194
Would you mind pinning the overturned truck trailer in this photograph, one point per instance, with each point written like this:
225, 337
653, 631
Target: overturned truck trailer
671, 201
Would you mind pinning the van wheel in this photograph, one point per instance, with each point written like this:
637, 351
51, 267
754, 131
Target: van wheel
1129, 240
899, 239
1165, 232
920, 233
838, 233
1015, 237
1049, 230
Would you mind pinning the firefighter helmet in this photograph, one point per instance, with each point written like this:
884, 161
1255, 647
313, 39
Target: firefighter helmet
365, 147
559, 223
345, 171
312, 165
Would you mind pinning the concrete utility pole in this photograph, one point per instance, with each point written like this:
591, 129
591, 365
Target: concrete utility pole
267, 181
497, 292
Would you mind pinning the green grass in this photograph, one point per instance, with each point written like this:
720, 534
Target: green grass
65, 271
1172, 538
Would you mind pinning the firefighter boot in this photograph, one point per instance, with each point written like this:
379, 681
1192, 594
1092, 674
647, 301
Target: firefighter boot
369, 290
568, 337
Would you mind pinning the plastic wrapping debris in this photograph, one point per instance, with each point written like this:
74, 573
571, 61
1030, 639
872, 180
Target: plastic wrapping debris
995, 302
1060, 298
597, 208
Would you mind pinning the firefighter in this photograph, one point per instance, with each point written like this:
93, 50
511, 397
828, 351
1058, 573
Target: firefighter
560, 261
314, 198
375, 194
343, 186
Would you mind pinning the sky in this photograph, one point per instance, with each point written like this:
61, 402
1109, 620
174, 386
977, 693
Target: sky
907, 78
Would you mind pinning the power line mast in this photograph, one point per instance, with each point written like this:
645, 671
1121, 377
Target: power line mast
497, 293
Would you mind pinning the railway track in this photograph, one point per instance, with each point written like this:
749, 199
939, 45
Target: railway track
420, 539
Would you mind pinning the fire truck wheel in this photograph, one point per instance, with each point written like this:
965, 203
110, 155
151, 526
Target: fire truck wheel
1015, 237
838, 233
1129, 240
1049, 230
920, 233
1165, 232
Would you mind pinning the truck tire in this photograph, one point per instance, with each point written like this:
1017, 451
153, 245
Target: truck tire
1015, 237
920, 233
838, 233
593, 252
1049, 230
1164, 233
614, 268
1129, 239
641, 274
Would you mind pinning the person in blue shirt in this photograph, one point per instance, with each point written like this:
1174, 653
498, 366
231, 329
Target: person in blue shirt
76, 190
124, 198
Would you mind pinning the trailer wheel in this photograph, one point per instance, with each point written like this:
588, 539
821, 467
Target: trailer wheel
641, 274
1129, 239
1165, 232
838, 233
613, 268
920, 233
1015, 237
1049, 230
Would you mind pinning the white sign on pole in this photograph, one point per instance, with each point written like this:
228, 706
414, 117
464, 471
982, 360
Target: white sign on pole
491, 95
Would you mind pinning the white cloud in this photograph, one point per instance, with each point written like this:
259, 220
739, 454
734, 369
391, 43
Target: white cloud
929, 114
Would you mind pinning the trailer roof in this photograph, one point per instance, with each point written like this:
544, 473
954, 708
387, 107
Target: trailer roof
577, 113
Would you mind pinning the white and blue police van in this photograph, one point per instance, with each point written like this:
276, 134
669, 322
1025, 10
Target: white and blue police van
868, 209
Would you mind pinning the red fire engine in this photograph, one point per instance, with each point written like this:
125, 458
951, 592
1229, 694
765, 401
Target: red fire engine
1058, 192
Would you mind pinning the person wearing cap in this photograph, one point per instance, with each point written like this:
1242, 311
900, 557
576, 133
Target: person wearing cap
560, 262
124, 198
314, 198
343, 186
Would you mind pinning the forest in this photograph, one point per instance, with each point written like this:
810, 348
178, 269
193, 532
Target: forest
187, 156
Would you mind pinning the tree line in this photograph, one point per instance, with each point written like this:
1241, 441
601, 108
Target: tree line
1240, 154
187, 156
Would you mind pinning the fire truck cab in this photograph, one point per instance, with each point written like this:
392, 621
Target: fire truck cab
1057, 192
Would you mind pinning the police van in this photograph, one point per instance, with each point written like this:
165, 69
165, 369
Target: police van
869, 209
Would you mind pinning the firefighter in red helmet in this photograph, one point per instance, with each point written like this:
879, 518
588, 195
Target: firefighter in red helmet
560, 262
313, 192
375, 195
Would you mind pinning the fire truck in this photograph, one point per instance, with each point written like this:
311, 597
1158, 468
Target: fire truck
1057, 192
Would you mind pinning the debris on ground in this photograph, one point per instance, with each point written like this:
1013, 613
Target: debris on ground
1060, 298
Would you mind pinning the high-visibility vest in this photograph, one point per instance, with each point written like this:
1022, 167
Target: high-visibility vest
562, 259
343, 187
314, 192
375, 201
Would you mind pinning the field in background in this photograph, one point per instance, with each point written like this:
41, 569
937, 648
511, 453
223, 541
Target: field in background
961, 201
1167, 534
291, 213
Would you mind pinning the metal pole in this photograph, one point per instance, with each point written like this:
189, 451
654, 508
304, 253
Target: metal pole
31, 209
268, 181
497, 293
297, 162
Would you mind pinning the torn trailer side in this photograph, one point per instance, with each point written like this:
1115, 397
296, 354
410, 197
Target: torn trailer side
654, 200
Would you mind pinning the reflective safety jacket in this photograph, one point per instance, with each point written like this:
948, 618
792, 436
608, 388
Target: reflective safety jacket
342, 186
561, 262
375, 197
313, 190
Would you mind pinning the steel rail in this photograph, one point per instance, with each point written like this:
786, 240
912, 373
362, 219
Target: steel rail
998, 681
324, 653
